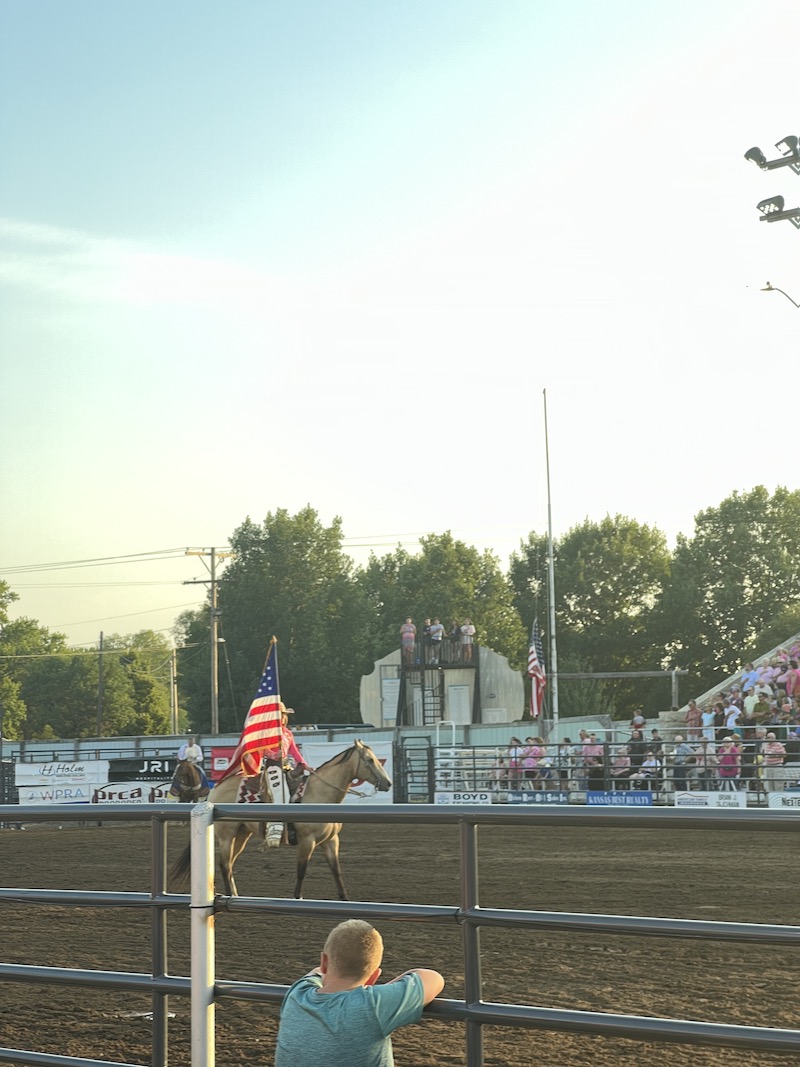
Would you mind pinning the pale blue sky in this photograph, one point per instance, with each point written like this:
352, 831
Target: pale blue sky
258, 255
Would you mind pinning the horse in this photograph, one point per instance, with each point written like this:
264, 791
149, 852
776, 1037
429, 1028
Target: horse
187, 785
329, 784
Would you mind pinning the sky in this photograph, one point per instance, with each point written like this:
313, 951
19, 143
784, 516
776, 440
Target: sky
265, 254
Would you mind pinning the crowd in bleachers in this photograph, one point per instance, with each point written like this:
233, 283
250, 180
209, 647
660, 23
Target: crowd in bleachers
746, 738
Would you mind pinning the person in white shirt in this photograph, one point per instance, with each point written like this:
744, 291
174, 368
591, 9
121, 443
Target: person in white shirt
191, 751
732, 715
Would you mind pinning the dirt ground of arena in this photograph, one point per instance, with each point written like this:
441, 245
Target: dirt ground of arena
733, 877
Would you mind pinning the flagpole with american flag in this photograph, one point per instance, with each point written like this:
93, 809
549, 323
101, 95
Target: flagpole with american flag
261, 734
536, 672
551, 568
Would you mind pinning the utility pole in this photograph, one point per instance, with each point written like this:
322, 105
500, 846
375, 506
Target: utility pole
173, 691
215, 555
100, 689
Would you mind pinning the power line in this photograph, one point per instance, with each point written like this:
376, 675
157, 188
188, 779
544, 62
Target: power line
99, 561
130, 615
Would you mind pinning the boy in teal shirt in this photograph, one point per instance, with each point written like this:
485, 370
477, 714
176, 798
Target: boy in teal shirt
337, 1016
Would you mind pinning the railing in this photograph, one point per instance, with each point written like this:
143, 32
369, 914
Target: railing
449, 652
473, 1011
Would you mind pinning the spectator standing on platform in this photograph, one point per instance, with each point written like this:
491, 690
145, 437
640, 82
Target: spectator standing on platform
762, 710
437, 636
704, 771
791, 766
638, 721
426, 640
693, 721
566, 753
732, 715
532, 755
728, 765
750, 677
682, 760
636, 749
750, 758
515, 754
467, 636
621, 769
707, 717
499, 775
408, 635
454, 643
656, 743
773, 754
592, 755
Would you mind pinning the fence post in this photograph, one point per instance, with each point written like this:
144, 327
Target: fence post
473, 984
202, 935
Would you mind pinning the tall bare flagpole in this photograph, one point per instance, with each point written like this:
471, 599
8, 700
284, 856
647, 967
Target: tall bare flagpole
551, 585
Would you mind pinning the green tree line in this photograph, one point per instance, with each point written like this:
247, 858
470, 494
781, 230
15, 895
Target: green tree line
624, 601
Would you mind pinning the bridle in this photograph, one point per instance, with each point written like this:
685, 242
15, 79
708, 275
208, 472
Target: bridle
350, 789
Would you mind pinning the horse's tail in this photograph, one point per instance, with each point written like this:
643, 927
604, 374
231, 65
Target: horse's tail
178, 876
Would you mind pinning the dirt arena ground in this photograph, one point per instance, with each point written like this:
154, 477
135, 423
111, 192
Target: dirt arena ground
732, 877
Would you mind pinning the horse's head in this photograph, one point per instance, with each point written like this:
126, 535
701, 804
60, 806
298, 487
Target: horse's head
188, 782
371, 769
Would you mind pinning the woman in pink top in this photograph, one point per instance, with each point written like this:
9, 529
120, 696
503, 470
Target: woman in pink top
729, 764
531, 757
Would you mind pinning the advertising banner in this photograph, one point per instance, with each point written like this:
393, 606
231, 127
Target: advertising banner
537, 796
789, 800
144, 769
142, 792
623, 798
688, 799
61, 782
315, 753
445, 796
220, 758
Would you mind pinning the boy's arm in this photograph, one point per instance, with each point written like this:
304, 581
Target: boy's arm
432, 982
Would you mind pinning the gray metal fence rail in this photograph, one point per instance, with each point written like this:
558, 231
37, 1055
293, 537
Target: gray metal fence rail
473, 1011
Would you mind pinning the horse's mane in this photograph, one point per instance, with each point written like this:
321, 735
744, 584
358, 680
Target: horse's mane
340, 757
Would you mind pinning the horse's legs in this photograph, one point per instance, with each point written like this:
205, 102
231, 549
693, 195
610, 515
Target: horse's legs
331, 852
229, 855
305, 850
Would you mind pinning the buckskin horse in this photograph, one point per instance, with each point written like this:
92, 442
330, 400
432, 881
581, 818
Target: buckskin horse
329, 784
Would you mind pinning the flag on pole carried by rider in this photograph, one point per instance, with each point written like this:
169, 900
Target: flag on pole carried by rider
262, 728
536, 671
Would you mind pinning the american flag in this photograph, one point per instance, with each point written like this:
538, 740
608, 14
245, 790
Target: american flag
536, 672
262, 728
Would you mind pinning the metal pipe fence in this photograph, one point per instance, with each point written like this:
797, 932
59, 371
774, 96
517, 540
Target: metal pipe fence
475, 1013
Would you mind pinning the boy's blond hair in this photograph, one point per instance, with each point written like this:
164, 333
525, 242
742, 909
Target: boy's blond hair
354, 949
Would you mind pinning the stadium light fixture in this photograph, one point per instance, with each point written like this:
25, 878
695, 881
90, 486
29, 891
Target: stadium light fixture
789, 147
772, 210
770, 288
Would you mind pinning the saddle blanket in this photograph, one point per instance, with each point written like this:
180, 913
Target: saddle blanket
249, 793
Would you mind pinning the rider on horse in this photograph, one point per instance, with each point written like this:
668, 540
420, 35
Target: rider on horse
284, 768
191, 752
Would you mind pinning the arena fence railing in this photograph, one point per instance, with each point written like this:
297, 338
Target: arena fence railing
473, 1012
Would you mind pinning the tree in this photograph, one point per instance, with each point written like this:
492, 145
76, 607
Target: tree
61, 692
450, 580
23, 645
289, 577
609, 577
729, 580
